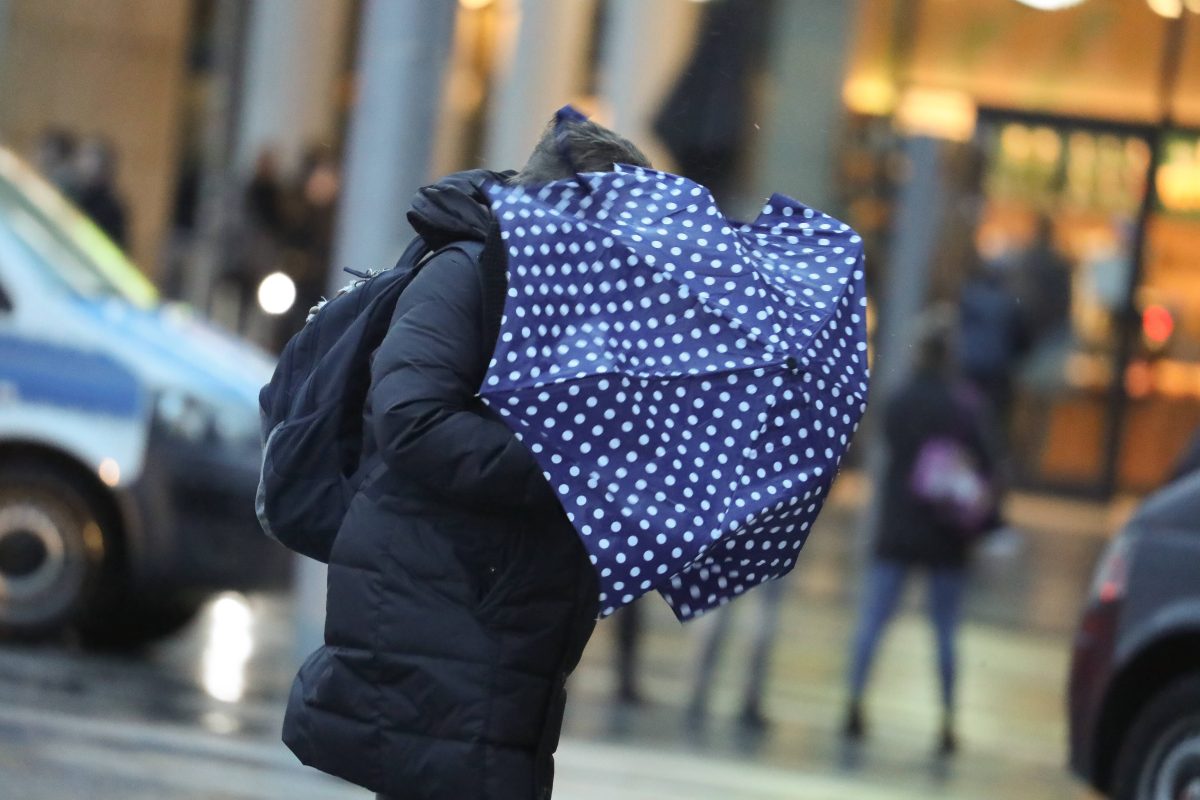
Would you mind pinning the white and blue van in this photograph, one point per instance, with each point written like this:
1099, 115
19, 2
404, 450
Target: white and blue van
129, 437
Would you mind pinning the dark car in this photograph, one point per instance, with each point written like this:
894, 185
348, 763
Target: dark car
1134, 689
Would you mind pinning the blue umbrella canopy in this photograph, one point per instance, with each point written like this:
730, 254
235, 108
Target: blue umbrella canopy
687, 384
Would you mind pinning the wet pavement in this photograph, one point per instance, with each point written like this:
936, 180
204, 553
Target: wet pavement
198, 717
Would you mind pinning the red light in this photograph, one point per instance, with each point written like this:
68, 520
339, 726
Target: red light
1113, 587
1112, 577
1157, 324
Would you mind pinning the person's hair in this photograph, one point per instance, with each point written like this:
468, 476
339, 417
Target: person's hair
579, 146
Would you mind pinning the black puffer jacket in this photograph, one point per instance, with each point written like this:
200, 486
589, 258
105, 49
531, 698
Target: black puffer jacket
459, 598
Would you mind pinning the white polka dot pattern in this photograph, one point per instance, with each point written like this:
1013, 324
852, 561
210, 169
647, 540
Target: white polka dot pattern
687, 384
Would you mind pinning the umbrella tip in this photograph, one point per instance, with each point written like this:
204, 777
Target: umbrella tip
569, 113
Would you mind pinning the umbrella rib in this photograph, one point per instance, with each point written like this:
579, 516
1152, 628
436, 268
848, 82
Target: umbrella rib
739, 325
562, 381
716, 312
762, 428
825, 319
700, 300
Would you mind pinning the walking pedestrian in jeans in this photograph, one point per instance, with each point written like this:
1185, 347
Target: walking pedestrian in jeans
934, 408
754, 664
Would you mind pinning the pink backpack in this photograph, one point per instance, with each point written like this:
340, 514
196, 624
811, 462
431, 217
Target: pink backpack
947, 477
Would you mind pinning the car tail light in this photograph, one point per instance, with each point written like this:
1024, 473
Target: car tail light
1112, 574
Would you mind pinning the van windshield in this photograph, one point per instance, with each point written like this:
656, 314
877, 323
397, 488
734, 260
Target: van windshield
62, 239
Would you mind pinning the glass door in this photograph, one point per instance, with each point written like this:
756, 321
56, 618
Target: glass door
1057, 222
1162, 380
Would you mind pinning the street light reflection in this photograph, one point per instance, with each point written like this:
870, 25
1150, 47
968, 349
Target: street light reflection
110, 472
227, 649
1171, 9
276, 293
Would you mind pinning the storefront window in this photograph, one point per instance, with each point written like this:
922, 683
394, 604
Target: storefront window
1163, 379
1103, 390
1060, 207
1081, 187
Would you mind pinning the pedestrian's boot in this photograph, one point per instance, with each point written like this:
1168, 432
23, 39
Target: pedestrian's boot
753, 719
628, 693
947, 740
854, 728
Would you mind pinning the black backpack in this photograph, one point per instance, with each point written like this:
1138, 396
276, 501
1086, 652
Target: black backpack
312, 410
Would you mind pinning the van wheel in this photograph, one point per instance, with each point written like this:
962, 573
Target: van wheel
53, 549
1160, 758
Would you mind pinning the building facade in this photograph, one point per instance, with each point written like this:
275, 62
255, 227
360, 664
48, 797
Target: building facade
1087, 117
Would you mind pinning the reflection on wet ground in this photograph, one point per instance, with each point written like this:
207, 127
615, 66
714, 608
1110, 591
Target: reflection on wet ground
198, 717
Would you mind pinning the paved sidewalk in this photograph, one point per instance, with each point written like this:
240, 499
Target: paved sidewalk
98, 727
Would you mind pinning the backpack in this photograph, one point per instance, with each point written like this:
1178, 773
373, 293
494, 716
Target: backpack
946, 478
312, 409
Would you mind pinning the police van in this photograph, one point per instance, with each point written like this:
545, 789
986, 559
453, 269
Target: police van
129, 437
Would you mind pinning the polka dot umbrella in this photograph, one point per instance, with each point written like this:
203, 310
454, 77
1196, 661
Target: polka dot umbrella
688, 384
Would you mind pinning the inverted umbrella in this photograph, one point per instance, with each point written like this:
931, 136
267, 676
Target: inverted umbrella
687, 384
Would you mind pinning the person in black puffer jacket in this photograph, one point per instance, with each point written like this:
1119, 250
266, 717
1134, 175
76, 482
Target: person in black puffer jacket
460, 598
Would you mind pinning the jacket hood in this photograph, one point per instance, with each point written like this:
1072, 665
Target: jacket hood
455, 208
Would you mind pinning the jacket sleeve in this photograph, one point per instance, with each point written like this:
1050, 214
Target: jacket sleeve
428, 422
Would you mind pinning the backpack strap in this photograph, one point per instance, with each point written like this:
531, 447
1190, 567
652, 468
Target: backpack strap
491, 265
493, 276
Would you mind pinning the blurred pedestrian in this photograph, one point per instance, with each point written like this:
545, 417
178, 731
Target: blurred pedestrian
937, 499
312, 215
1043, 286
54, 156
265, 200
714, 632
268, 222
628, 623
992, 335
460, 597
260, 238
185, 216
95, 190
313, 205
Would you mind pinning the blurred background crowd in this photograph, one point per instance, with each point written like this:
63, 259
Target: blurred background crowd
1029, 167
1066, 163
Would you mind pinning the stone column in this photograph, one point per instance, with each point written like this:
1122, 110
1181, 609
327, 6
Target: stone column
540, 70
402, 57
403, 49
644, 47
294, 57
921, 213
803, 107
